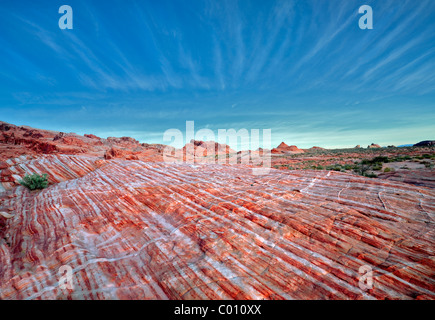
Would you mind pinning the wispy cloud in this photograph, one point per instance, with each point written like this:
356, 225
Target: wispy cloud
291, 65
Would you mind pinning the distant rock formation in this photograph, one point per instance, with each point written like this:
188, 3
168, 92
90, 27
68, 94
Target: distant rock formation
59, 136
425, 143
16, 141
284, 148
115, 152
373, 145
206, 148
92, 136
357, 146
127, 142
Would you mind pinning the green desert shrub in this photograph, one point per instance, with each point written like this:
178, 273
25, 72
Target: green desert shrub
370, 175
380, 159
375, 160
398, 159
361, 169
335, 167
427, 164
34, 181
377, 166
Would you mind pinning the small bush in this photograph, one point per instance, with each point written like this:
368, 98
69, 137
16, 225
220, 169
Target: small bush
35, 181
370, 175
335, 167
387, 169
348, 167
427, 164
380, 159
375, 160
361, 169
377, 166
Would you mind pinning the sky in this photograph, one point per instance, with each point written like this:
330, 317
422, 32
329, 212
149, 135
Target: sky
303, 69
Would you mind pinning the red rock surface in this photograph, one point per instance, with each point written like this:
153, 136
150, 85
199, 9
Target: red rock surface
22, 140
424, 178
26, 141
138, 230
133, 227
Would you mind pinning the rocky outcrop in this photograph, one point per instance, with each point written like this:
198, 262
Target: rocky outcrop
126, 142
426, 143
197, 150
138, 230
27, 141
205, 148
313, 149
16, 141
373, 145
33, 134
92, 136
59, 136
284, 148
116, 153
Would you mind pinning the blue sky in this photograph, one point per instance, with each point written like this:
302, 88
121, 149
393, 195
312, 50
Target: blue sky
304, 69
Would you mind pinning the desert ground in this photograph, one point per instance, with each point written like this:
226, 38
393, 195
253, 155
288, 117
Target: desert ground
129, 225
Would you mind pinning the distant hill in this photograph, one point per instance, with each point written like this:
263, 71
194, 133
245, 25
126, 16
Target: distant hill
405, 145
425, 143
